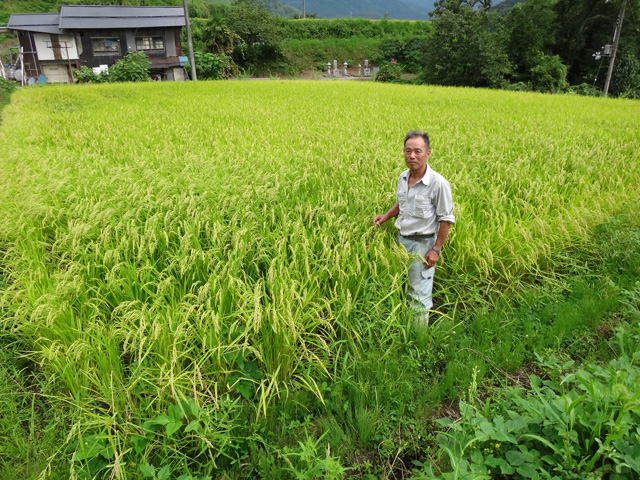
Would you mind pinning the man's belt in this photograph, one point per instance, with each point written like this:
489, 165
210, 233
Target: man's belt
419, 238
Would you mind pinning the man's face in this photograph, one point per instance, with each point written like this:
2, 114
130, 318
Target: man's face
416, 154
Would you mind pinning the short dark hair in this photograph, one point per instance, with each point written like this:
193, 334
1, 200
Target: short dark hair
416, 133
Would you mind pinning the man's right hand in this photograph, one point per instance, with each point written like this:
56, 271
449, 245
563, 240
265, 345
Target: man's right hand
378, 220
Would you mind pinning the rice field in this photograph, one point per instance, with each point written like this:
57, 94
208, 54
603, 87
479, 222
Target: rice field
167, 243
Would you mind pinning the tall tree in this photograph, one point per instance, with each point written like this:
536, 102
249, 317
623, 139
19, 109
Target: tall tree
218, 36
626, 74
529, 28
455, 6
259, 31
253, 23
466, 50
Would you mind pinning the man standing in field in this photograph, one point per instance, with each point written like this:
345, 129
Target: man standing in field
424, 208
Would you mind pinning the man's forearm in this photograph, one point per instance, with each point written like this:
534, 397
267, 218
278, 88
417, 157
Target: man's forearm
443, 231
432, 256
393, 212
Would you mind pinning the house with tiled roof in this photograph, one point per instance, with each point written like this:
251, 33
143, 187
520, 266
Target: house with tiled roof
97, 36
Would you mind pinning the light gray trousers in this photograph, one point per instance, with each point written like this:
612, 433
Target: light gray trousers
420, 285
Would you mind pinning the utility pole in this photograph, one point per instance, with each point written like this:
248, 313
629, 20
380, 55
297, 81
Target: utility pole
192, 60
614, 48
304, 9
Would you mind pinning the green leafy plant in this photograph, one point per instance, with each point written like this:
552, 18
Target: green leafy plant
389, 72
211, 66
6, 86
186, 428
132, 68
585, 89
585, 423
311, 460
243, 380
93, 453
87, 75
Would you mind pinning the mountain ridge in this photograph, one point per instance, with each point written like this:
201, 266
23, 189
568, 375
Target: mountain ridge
373, 9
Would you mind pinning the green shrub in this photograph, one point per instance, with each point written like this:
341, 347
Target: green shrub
626, 76
6, 86
585, 89
311, 460
519, 87
391, 49
407, 52
132, 68
413, 52
548, 74
162, 446
389, 72
211, 66
87, 75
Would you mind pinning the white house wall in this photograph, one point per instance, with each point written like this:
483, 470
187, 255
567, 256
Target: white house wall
43, 43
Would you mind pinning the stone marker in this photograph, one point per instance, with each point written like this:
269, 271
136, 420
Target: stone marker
329, 68
344, 71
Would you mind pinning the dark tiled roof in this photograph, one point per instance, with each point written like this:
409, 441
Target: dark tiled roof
35, 22
81, 17
77, 17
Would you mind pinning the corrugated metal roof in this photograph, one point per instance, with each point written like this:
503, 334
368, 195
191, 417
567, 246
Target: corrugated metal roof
35, 22
80, 17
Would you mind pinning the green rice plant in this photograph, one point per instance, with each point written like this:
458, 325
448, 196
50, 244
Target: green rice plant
213, 240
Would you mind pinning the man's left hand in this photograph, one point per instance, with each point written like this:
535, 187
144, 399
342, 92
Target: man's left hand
431, 258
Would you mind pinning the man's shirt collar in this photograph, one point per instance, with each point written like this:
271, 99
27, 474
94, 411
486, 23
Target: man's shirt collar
426, 178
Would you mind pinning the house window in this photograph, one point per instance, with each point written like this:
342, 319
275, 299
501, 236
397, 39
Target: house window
106, 46
150, 43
